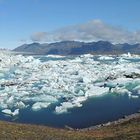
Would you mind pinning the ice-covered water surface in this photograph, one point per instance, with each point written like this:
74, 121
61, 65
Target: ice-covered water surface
64, 82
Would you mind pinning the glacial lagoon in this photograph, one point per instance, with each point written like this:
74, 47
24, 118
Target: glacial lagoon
75, 91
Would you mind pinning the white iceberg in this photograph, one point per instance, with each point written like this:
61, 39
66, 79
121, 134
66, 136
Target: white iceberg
105, 58
70, 82
65, 106
96, 91
9, 112
39, 105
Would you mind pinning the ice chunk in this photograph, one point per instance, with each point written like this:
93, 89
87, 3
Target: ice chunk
127, 55
65, 106
9, 112
39, 105
60, 110
122, 81
71, 81
96, 91
137, 87
134, 96
20, 105
122, 60
105, 58
87, 55
55, 56
121, 91
10, 101
78, 100
16, 112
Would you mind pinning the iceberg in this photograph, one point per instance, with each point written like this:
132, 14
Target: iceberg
96, 91
106, 58
65, 106
20, 105
26, 81
39, 105
9, 112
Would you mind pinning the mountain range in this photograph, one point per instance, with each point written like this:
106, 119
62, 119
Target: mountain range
78, 48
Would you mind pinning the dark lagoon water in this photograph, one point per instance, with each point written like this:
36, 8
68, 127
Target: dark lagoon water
94, 111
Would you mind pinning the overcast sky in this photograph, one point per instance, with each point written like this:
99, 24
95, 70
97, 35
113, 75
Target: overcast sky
26, 21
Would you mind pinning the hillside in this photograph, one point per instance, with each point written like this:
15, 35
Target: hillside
77, 48
125, 130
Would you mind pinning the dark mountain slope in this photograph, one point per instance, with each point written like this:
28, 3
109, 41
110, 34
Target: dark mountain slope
75, 47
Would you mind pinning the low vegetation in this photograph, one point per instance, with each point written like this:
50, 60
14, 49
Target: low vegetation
127, 130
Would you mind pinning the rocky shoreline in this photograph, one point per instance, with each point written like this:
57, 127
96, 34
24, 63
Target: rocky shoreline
116, 122
123, 129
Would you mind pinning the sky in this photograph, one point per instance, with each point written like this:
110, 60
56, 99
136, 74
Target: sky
27, 21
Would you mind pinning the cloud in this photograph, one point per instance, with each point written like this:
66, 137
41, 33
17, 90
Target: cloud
39, 36
94, 30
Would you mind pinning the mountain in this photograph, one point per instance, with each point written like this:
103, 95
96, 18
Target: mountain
77, 48
36, 48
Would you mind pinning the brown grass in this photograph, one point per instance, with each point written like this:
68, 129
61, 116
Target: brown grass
129, 130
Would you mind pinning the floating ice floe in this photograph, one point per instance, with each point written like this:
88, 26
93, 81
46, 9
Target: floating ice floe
106, 58
65, 106
9, 112
96, 91
55, 56
26, 81
126, 55
39, 105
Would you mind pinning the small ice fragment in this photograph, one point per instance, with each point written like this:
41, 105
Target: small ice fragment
16, 112
134, 96
65, 106
96, 91
105, 58
121, 91
9, 112
20, 105
39, 105
137, 88
60, 110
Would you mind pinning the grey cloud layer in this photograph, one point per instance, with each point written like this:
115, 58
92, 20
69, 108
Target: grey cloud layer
94, 30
